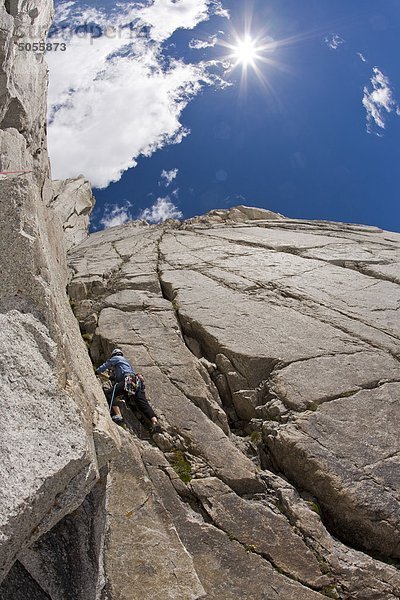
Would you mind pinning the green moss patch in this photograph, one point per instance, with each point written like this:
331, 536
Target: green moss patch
256, 437
181, 465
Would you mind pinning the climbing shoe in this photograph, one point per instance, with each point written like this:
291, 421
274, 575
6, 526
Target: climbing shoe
156, 428
117, 419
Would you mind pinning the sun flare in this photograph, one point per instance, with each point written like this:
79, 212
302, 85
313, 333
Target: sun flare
250, 52
254, 54
245, 52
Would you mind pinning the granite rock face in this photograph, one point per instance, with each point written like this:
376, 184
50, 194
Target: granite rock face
56, 433
23, 85
73, 202
67, 562
145, 557
270, 350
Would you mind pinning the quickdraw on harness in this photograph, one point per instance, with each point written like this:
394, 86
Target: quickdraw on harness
133, 383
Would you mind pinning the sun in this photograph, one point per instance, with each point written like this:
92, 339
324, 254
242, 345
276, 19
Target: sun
246, 52
250, 51
254, 54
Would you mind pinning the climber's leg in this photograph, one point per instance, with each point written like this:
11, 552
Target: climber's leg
143, 405
111, 395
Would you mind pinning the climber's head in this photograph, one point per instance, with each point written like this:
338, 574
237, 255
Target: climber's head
117, 352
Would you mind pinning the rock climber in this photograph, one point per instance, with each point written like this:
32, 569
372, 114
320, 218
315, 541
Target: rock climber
120, 368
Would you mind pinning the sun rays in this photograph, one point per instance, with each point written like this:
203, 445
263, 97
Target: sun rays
255, 53
245, 52
251, 54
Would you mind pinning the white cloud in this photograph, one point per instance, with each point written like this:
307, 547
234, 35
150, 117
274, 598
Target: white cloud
202, 44
219, 10
378, 102
167, 177
333, 41
116, 215
114, 97
361, 57
166, 16
161, 210
62, 10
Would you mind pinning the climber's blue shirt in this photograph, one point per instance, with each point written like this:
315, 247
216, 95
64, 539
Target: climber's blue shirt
120, 366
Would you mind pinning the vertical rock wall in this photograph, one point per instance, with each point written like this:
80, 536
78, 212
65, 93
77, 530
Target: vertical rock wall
73, 202
55, 432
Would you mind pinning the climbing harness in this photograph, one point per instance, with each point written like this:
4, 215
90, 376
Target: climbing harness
130, 386
132, 383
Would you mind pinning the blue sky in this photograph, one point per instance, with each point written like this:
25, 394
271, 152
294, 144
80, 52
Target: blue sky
299, 141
